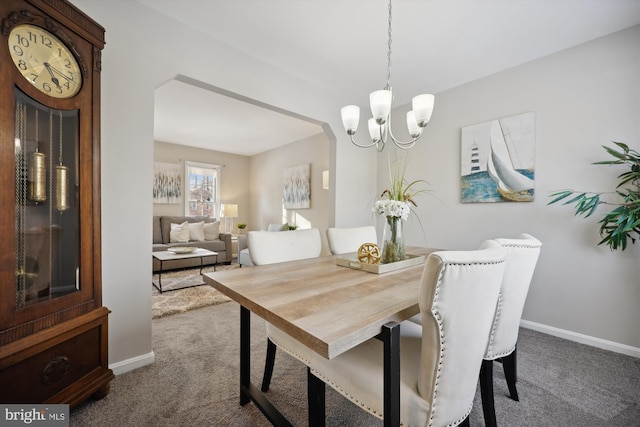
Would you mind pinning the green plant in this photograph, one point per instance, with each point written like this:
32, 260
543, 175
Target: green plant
291, 227
400, 189
622, 223
242, 226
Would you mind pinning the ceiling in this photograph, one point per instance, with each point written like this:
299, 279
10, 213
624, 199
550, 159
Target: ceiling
340, 47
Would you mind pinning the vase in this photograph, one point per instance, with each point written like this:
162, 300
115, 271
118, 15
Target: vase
392, 241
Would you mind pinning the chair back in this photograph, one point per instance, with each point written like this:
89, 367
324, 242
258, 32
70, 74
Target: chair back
458, 297
346, 240
268, 248
522, 256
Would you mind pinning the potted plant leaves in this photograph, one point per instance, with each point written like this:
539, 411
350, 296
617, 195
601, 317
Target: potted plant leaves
623, 222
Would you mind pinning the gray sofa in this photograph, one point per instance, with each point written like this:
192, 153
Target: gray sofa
162, 242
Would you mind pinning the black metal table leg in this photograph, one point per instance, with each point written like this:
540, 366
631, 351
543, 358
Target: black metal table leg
159, 285
247, 390
316, 398
390, 336
245, 355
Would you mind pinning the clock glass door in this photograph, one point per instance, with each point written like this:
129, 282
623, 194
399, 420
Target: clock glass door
47, 208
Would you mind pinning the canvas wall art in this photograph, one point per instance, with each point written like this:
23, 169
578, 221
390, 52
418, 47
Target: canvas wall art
167, 183
497, 160
297, 187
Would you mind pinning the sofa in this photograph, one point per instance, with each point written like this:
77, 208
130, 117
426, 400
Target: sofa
203, 232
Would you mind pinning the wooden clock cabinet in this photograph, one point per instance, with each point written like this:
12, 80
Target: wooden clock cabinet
53, 327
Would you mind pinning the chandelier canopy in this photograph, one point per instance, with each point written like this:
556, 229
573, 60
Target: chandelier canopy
380, 123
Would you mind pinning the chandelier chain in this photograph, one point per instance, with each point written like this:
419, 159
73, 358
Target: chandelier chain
388, 87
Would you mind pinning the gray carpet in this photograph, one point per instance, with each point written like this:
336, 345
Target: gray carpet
194, 382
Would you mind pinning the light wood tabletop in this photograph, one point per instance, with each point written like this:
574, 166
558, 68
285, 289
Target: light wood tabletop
328, 308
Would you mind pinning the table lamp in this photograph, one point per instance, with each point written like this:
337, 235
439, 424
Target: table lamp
228, 211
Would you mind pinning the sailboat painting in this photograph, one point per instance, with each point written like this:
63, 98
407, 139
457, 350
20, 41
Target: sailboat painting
497, 160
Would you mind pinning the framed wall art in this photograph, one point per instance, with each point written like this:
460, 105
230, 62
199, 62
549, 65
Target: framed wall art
297, 187
497, 160
167, 183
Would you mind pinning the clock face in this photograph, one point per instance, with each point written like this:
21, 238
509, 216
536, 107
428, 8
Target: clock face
45, 61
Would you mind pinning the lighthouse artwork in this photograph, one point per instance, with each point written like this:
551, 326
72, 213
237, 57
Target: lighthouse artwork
497, 160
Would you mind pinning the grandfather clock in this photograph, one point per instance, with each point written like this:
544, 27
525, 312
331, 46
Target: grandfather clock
53, 327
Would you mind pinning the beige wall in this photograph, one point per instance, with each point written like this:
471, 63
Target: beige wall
255, 183
266, 186
234, 176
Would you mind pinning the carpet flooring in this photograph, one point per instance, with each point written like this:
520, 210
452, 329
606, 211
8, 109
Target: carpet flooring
172, 301
194, 382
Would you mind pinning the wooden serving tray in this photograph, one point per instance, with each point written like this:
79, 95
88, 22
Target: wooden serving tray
351, 261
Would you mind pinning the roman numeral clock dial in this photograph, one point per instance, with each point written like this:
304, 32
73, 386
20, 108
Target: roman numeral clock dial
45, 61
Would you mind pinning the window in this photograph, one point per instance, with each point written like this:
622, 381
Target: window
203, 189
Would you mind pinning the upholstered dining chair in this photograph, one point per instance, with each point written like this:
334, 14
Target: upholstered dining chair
522, 256
244, 258
346, 240
269, 248
440, 361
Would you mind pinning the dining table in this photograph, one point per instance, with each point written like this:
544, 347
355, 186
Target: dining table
330, 309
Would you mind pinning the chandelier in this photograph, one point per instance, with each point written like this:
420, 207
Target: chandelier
380, 123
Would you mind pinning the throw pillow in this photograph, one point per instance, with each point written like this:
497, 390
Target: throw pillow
179, 233
212, 230
196, 231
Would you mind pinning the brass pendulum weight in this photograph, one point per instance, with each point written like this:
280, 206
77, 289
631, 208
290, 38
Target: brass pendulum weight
62, 173
37, 172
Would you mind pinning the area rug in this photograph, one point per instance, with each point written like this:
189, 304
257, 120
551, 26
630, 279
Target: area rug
178, 301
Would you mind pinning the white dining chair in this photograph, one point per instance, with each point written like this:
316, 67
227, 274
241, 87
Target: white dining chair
269, 248
244, 257
522, 257
346, 240
440, 361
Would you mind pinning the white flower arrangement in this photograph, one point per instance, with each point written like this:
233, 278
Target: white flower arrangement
396, 201
392, 208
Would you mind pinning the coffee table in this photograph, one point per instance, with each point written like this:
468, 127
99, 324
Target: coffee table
172, 256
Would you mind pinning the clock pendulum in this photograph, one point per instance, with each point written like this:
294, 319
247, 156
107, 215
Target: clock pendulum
37, 171
62, 173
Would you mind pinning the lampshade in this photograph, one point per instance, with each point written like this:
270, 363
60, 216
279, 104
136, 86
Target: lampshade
228, 210
423, 108
374, 130
350, 118
412, 125
380, 105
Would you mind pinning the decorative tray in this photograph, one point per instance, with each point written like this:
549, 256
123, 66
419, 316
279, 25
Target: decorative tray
351, 261
180, 250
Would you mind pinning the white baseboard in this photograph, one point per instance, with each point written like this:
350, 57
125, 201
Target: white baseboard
133, 363
582, 339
